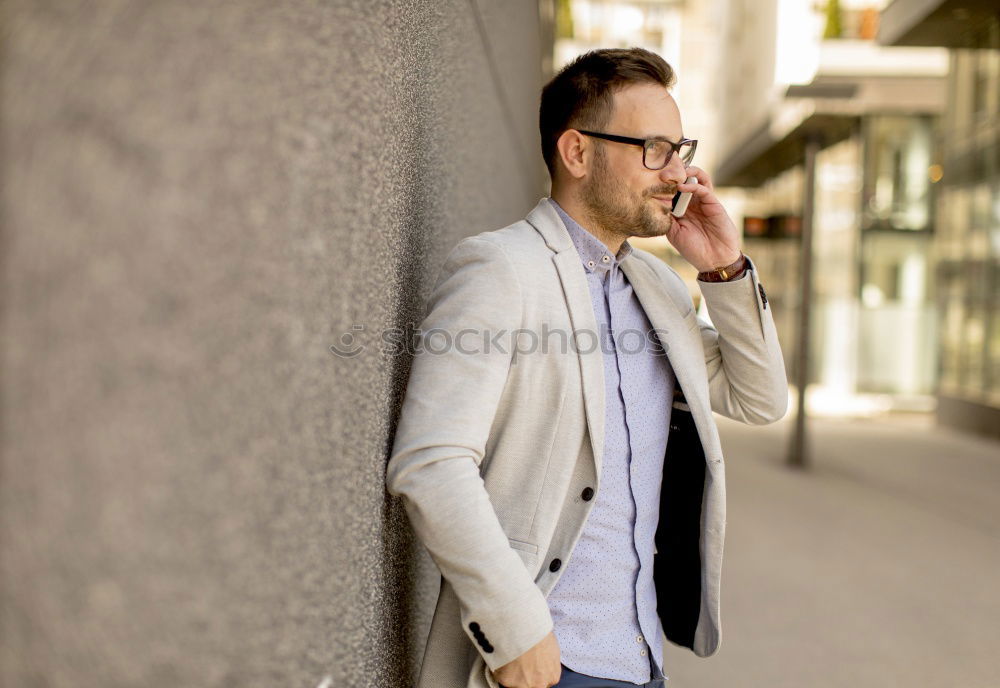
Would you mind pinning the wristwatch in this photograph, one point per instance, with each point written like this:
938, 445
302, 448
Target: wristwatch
725, 273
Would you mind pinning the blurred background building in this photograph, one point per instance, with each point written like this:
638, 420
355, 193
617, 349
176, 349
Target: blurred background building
966, 217
906, 216
873, 111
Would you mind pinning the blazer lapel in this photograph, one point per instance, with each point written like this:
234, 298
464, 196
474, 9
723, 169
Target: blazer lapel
665, 317
581, 311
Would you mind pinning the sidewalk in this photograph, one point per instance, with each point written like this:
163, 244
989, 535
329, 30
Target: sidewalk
879, 566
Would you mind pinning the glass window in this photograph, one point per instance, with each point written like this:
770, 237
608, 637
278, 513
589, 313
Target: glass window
959, 112
974, 331
896, 190
991, 79
980, 85
951, 344
977, 242
973, 335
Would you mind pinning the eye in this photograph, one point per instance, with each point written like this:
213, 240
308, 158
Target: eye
656, 153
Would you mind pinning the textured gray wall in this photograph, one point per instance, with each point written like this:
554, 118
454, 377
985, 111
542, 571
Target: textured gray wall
198, 199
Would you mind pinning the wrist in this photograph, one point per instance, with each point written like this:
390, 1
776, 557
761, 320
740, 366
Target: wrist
725, 273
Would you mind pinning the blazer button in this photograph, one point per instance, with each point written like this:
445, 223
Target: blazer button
587, 494
554, 565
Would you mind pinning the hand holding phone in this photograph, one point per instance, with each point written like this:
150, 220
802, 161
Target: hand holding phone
681, 200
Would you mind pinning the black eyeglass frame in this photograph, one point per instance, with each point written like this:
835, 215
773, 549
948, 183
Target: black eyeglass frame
646, 144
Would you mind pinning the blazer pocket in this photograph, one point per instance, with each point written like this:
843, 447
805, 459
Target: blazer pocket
528, 553
523, 546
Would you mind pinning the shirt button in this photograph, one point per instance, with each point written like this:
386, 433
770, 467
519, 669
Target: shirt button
587, 494
638, 639
554, 565
590, 263
605, 259
642, 653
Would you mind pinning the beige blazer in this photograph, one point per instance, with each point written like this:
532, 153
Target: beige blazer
498, 438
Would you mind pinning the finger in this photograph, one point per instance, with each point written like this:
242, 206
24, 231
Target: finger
696, 188
703, 177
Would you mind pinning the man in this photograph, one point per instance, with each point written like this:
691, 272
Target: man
572, 496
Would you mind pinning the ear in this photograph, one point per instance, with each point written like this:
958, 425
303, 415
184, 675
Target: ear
575, 151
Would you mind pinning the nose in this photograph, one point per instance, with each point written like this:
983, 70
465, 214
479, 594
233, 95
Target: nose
674, 171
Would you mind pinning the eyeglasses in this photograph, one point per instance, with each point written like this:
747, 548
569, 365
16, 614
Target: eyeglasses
656, 153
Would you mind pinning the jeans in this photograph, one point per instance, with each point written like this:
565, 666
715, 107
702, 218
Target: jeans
571, 679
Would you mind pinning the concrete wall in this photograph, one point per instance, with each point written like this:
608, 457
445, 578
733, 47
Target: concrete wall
198, 200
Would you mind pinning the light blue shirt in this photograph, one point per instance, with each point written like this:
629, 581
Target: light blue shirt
604, 604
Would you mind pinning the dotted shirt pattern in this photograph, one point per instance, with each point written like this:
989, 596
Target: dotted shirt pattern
604, 604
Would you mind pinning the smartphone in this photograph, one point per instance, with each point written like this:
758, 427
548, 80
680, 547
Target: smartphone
681, 200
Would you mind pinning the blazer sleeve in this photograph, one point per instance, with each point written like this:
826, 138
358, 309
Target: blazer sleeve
451, 398
746, 370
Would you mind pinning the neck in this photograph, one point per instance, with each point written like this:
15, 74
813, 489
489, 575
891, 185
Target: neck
579, 212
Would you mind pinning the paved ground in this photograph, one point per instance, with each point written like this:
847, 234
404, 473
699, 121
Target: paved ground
877, 567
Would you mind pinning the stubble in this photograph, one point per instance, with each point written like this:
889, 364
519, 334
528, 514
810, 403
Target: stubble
617, 209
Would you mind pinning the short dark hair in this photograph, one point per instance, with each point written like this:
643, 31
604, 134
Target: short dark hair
581, 95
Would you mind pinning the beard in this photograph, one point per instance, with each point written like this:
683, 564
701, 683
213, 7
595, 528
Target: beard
617, 210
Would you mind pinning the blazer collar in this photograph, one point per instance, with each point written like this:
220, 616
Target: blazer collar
546, 220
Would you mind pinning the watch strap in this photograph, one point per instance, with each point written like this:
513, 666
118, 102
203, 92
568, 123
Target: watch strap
726, 273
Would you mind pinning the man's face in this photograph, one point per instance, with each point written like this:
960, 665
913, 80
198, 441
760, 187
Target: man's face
620, 192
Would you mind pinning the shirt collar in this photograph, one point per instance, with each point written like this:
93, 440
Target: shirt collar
594, 255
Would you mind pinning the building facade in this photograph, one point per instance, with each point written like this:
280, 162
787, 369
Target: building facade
966, 244
874, 113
